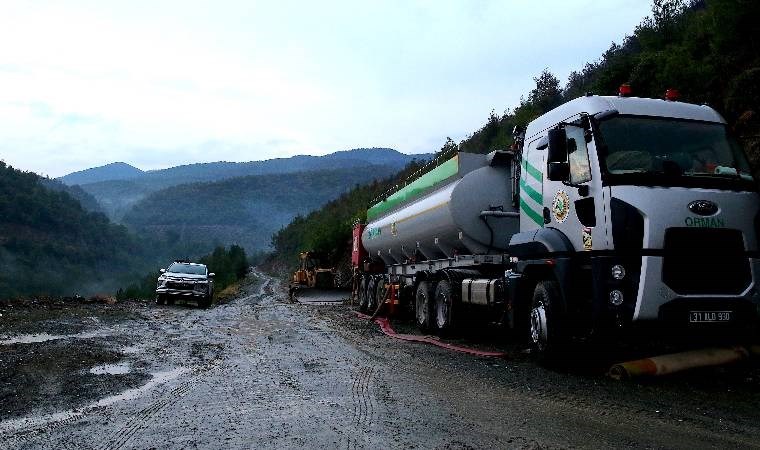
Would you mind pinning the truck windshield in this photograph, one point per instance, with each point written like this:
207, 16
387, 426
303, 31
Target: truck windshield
672, 152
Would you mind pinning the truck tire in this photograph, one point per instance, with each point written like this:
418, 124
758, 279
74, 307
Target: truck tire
443, 307
545, 322
371, 288
205, 302
362, 294
423, 307
160, 299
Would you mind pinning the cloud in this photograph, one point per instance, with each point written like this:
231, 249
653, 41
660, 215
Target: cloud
162, 83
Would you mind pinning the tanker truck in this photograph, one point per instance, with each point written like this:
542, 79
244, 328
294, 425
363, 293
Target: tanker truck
608, 214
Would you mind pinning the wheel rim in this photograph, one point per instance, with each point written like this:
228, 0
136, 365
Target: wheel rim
371, 287
442, 310
380, 292
421, 308
363, 294
538, 330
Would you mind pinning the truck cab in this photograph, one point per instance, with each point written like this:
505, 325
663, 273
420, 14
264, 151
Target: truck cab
647, 212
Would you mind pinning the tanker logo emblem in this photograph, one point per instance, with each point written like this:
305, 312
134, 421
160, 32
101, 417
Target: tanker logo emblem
561, 206
373, 233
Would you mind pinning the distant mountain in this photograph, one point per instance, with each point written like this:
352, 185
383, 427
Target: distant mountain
247, 210
113, 171
117, 196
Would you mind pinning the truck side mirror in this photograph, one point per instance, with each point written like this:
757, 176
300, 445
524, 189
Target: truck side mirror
211, 275
162, 270
558, 171
557, 146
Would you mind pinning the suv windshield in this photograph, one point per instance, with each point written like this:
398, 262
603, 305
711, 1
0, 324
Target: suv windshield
643, 150
187, 268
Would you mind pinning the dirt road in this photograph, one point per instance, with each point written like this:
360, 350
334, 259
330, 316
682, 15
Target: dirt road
259, 372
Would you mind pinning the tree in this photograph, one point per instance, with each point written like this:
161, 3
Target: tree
547, 94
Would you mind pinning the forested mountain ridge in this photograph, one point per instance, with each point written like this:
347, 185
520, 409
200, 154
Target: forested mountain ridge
50, 244
707, 49
247, 210
117, 196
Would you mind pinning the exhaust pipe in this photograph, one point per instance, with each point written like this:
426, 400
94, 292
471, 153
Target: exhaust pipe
678, 362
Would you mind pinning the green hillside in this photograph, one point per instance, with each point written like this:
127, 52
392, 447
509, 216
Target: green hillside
246, 211
50, 244
708, 49
118, 187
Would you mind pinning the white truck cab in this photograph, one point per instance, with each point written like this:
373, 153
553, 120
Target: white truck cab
649, 205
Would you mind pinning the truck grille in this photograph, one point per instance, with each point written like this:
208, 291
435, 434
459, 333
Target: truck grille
705, 261
177, 285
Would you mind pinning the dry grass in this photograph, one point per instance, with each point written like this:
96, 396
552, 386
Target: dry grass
228, 293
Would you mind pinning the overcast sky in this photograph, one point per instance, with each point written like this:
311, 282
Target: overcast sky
159, 83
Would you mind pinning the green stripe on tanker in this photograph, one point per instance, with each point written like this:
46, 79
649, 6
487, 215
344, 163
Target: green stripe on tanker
422, 184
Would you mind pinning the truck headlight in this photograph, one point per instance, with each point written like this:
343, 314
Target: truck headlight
161, 282
618, 272
203, 287
616, 297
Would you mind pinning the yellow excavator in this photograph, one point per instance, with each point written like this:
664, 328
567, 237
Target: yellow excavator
310, 274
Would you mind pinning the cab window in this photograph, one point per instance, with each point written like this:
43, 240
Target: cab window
577, 152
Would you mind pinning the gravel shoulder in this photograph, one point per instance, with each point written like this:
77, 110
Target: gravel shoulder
261, 372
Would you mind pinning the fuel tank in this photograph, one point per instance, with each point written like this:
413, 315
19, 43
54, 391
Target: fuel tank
463, 206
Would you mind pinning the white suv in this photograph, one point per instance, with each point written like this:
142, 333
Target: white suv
187, 280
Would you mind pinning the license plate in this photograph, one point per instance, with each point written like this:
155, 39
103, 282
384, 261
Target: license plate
709, 316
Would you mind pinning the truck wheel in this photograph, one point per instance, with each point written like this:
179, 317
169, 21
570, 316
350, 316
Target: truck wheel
205, 302
371, 288
443, 307
423, 307
362, 294
380, 291
545, 333
160, 299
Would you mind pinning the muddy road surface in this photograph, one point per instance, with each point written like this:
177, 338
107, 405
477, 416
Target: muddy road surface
260, 372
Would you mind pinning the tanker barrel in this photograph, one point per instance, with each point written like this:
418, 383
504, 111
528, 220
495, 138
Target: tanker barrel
445, 211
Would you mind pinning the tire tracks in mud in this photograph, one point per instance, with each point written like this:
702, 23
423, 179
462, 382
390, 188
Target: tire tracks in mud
142, 419
364, 411
26, 435
642, 419
364, 407
231, 393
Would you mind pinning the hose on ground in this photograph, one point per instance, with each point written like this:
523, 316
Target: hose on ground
380, 305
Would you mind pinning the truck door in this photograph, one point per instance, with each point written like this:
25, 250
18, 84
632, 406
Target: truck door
531, 187
570, 205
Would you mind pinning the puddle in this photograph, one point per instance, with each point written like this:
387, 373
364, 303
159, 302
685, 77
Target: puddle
44, 337
32, 422
130, 394
111, 369
132, 349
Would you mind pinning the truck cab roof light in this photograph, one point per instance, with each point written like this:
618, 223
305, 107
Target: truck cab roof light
672, 95
625, 90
